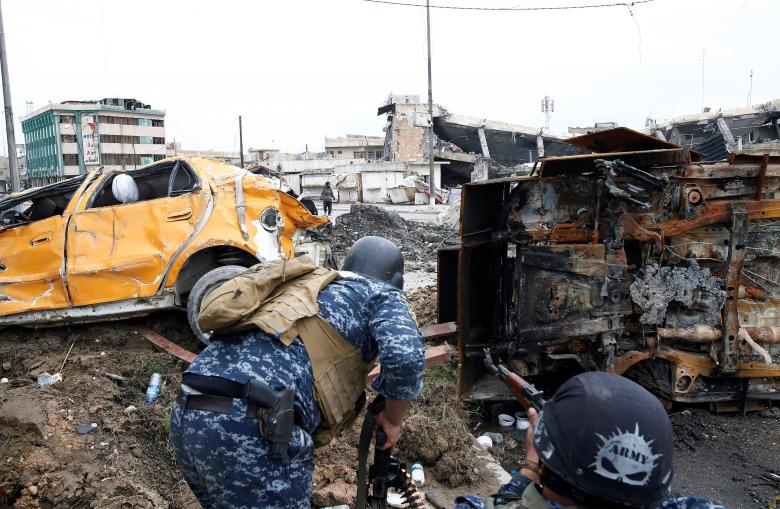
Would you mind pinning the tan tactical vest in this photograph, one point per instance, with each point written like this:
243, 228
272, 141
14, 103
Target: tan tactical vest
280, 298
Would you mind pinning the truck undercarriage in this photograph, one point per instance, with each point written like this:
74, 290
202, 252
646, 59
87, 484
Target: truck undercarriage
644, 262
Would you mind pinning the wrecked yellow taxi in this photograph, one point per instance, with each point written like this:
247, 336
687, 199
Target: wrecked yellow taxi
115, 244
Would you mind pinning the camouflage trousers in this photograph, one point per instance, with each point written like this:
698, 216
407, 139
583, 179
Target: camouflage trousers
227, 463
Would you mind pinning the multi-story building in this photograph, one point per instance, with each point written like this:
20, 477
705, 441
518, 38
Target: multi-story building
355, 146
69, 138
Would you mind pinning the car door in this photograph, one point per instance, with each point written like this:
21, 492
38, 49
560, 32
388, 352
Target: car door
32, 247
121, 251
30, 267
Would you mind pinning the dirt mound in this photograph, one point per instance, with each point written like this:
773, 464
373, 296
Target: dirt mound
418, 241
124, 460
423, 301
435, 432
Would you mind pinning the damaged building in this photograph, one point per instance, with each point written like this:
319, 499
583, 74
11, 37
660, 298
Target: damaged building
470, 148
714, 134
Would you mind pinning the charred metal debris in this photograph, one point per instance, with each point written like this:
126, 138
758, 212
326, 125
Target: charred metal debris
647, 263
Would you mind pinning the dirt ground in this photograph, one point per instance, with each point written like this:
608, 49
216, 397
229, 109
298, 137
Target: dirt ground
125, 461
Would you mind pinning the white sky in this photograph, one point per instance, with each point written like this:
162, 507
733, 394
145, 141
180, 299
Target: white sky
298, 70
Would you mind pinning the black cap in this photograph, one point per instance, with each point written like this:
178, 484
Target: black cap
608, 437
376, 258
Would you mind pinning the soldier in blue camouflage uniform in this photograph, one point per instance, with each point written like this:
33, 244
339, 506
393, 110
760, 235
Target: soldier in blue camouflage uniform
601, 442
224, 458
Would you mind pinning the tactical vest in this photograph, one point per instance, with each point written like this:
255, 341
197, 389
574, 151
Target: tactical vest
280, 298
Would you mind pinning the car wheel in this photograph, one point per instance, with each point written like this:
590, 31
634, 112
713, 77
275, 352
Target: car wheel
207, 282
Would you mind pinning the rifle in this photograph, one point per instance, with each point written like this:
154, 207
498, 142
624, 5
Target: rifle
386, 472
526, 393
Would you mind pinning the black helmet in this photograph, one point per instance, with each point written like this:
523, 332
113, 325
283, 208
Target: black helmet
376, 258
606, 438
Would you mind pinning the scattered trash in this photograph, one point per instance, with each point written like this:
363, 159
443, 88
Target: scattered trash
49, 379
418, 475
154, 388
66, 357
505, 420
130, 409
396, 500
485, 441
94, 425
33, 490
497, 438
3, 380
6, 365
116, 378
522, 423
85, 428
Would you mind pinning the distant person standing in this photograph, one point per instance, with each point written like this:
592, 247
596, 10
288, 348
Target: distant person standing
327, 199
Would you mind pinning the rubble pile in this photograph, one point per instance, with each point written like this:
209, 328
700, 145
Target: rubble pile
418, 241
423, 301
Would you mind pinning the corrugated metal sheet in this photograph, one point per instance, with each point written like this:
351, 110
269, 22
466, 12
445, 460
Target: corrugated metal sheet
713, 148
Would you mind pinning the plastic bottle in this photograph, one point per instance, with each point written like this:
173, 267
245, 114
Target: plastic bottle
154, 388
418, 475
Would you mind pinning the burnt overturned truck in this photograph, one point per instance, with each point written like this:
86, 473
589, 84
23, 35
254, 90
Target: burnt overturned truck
636, 259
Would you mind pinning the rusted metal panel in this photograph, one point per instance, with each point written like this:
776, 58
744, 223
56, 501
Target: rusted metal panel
165, 344
730, 351
620, 139
580, 164
761, 177
438, 331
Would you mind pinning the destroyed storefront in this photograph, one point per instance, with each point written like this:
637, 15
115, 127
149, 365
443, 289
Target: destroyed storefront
642, 262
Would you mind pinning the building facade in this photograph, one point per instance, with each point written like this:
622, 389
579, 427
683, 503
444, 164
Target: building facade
72, 137
355, 146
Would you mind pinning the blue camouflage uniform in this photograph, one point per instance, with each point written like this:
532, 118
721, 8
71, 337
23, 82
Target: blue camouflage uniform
223, 457
521, 492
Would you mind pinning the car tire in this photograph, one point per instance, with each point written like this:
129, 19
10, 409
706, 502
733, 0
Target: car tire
207, 282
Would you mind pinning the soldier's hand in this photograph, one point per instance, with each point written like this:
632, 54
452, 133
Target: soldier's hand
531, 465
393, 431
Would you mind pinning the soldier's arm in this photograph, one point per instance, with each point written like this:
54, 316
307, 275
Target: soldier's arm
400, 346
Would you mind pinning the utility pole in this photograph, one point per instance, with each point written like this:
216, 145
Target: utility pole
9, 114
241, 140
703, 54
548, 107
431, 182
750, 91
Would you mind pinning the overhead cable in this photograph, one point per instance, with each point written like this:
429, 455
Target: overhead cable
547, 8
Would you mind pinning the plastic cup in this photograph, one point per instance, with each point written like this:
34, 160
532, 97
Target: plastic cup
505, 420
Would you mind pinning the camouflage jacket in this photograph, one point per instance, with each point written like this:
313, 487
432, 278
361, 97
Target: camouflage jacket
521, 493
372, 316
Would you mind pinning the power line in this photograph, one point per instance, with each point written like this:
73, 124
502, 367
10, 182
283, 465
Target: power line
549, 8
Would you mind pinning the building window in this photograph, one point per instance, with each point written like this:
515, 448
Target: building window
68, 138
70, 159
158, 141
67, 119
158, 123
359, 155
